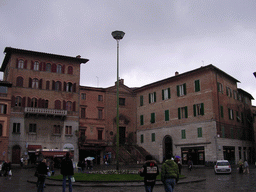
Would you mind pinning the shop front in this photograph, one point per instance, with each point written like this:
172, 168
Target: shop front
195, 154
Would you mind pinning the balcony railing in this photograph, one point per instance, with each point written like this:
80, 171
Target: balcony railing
44, 111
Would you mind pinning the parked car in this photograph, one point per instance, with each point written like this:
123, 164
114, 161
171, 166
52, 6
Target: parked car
222, 166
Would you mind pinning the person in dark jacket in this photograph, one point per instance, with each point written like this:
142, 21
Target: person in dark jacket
41, 174
169, 173
67, 170
149, 171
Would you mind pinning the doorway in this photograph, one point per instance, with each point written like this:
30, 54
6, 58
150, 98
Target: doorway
167, 146
122, 138
16, 154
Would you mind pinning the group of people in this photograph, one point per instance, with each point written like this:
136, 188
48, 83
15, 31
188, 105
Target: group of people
67, 170
169, 173
243, 166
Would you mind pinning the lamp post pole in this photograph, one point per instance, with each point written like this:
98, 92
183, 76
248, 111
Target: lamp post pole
117, 35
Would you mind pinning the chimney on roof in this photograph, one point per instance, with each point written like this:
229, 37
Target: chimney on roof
121, 81
176, 73
78, 56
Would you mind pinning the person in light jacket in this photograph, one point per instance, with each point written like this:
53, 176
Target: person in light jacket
169, 173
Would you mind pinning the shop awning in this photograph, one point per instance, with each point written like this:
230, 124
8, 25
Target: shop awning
33, 148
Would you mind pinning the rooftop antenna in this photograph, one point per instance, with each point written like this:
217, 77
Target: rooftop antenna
203, 62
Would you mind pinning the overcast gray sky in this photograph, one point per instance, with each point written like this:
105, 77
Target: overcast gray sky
161, 36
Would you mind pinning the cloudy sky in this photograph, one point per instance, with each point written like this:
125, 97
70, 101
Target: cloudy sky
161, 36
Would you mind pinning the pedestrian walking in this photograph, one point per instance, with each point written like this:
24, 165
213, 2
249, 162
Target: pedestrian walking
190, 163
246, 167
240, 166
149, 171
41, 173
21, 162
67, 170
169, 173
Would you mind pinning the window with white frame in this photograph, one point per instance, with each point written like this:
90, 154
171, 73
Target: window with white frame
166, 94
181, 90
59, 69
35, 83
20, 64
198, 109
152, 97
36, 66
231, 114
3, 108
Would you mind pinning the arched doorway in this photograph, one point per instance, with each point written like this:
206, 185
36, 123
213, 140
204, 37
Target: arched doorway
16, 154
167, 145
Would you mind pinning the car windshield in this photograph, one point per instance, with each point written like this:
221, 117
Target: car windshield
223, 163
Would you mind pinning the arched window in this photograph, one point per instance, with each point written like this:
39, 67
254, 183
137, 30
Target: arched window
59, 69
36, 66
19, 82
48, 67
34, 102
57, 104
35, 83
69, 87
69, 106
57, 86
21, 64
70, 70
18, 101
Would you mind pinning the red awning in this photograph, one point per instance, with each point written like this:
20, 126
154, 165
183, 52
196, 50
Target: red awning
33, 148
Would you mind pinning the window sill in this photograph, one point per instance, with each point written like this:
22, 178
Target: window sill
16, 133
31, 133
67, 135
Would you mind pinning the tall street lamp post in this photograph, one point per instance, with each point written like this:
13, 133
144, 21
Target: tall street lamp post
117, 35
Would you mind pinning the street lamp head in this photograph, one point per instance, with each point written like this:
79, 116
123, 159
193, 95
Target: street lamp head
118, 35
254, 74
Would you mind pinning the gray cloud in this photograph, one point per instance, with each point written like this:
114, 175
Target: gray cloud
161, 36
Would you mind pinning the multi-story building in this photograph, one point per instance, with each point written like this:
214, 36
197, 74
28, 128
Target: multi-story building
5, 108
98, 120
45, 102
199, 115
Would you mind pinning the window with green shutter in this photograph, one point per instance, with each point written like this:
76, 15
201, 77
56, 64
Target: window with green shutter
223, 131
141, 138
199, 132
231, 114
152, 119
141, 120
152, 97
181, 90
182, 112
141, 100
166, 94
153, 137
198, 109
183, 134
221, 111
166, 115
197, 85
